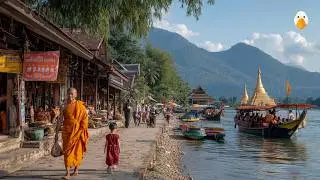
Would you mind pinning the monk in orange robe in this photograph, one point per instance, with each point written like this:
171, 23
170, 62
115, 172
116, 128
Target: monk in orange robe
75, 133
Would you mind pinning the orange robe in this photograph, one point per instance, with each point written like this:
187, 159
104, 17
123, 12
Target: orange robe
75, 133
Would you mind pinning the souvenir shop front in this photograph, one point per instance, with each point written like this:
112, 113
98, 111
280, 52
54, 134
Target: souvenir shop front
44, 85
10, 69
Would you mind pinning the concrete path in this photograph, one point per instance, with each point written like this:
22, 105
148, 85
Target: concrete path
136, 144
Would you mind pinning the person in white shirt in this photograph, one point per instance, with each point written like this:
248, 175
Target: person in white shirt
291, 116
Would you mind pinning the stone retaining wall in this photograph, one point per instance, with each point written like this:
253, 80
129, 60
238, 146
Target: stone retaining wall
149, 162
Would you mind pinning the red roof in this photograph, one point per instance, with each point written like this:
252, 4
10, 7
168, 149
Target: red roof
293, 106
255, 108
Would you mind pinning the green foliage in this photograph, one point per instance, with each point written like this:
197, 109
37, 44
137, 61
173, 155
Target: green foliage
158, 75
100, 16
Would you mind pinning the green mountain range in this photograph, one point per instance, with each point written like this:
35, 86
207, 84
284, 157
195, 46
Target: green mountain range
225, 73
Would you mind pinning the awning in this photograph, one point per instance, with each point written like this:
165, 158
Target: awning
117, 87
295, 106
255, 108
114, 71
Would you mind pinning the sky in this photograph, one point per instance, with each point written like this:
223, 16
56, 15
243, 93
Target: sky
266, 24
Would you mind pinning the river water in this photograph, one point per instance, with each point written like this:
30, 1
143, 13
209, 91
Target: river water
243, 156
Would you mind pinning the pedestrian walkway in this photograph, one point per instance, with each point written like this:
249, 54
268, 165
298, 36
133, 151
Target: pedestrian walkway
136, 144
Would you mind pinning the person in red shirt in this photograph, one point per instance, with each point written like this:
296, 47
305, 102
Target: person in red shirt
112, 148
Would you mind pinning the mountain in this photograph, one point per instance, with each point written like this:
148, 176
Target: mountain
296, 66
224, 73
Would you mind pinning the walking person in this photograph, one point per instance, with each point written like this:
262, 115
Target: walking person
148, 111
126, 110
143, 113
75, 133
134, 115
112, 148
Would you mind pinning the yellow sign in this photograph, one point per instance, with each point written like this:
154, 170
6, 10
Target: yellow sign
10, 62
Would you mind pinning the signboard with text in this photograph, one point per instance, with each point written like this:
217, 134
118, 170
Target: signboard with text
41, 66
10, 61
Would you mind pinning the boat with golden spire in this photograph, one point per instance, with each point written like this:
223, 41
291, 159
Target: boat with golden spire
257, 115
260, 96
245, 96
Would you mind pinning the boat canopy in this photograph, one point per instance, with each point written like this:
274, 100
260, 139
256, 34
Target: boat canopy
284, 106
255, 108
295, 106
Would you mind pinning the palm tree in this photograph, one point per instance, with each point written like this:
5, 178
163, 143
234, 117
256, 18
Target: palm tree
152, 74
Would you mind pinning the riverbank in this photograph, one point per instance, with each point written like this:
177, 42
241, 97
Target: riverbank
166, 161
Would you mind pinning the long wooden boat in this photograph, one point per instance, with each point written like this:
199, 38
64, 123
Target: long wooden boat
282, 130
269, 126
215, 133
189, 117
214, 116
194, 133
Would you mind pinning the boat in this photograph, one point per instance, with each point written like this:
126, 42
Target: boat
215, 116
190, 117
298, 107
194, 133
214, 133
213, 112
281, 130
249, 115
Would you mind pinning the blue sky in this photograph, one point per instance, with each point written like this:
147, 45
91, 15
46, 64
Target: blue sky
266, 24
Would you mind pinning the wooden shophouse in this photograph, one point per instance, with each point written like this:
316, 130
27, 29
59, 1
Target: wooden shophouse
111, 81
38, 63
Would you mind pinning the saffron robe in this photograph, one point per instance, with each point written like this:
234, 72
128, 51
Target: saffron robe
75, 133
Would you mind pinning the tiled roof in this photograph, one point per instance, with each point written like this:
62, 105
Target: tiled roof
89, 41
132, 68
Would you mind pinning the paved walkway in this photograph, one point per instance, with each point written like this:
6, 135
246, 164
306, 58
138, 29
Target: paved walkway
136, 143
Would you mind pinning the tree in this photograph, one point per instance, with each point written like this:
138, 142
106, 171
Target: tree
101, 16
158, 76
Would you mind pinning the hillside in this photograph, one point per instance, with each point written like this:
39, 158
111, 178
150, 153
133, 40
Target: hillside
225, 72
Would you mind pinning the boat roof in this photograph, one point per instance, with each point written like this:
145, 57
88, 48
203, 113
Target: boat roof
293, 106
255, 108
264, 108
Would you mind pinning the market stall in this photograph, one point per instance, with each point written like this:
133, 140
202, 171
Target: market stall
42, 92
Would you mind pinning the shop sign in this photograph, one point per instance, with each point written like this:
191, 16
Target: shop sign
10, 62
41, 66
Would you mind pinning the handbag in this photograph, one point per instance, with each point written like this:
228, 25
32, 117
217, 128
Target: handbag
56, 150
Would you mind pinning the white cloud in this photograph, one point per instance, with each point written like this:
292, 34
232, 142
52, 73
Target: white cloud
184, 31
290, 47
181, 29
212, 47
297, 59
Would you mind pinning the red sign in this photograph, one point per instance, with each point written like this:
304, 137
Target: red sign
41, 66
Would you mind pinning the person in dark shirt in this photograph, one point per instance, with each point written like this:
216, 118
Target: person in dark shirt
126, 110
